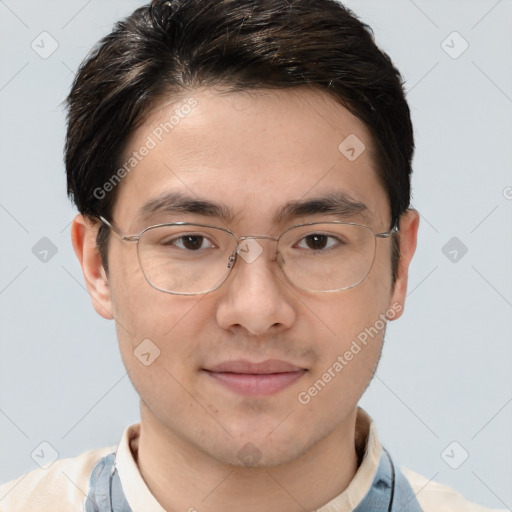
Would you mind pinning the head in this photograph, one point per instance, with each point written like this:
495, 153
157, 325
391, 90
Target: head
247, 104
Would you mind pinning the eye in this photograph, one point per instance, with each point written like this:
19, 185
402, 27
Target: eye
318, 241
190, 242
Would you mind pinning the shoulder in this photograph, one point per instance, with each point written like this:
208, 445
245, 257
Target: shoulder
61, 487
434, 497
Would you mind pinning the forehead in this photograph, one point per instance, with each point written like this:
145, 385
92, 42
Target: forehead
251, 153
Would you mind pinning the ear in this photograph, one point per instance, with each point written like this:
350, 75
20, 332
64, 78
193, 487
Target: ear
409, 223
83, 236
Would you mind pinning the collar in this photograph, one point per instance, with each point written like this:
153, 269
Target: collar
116, 484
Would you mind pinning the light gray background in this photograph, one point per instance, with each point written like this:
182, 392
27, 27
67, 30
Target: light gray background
445, 373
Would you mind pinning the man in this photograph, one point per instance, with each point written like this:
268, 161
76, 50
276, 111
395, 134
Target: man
242, 172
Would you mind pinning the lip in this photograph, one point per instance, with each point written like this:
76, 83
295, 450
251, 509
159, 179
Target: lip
256, 379
244, 366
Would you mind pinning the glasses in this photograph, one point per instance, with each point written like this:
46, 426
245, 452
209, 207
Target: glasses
192, 259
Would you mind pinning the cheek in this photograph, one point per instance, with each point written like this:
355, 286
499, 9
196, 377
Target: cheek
348, 358
343, 315
150, 321
352, 324
138, 307
158, 342
357, 342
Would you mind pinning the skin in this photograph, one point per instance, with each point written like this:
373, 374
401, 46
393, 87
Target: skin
252, 152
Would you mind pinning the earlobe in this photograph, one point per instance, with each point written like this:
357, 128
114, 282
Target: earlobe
409, 223
83, 236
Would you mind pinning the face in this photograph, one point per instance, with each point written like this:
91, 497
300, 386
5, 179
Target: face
250, 153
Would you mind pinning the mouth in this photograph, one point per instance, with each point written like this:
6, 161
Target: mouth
255, 379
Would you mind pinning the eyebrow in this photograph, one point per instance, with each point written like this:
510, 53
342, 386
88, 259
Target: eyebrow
338, 204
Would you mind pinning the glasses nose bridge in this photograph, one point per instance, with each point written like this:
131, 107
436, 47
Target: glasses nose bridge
262, 237
241, 239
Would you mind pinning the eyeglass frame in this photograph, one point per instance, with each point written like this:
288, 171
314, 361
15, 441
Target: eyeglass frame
233, 258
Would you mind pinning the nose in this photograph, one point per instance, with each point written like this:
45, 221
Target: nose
256, 296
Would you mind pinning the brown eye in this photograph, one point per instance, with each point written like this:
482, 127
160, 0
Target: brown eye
318, 241
189, 242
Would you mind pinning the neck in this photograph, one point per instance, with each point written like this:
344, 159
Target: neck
182, 477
